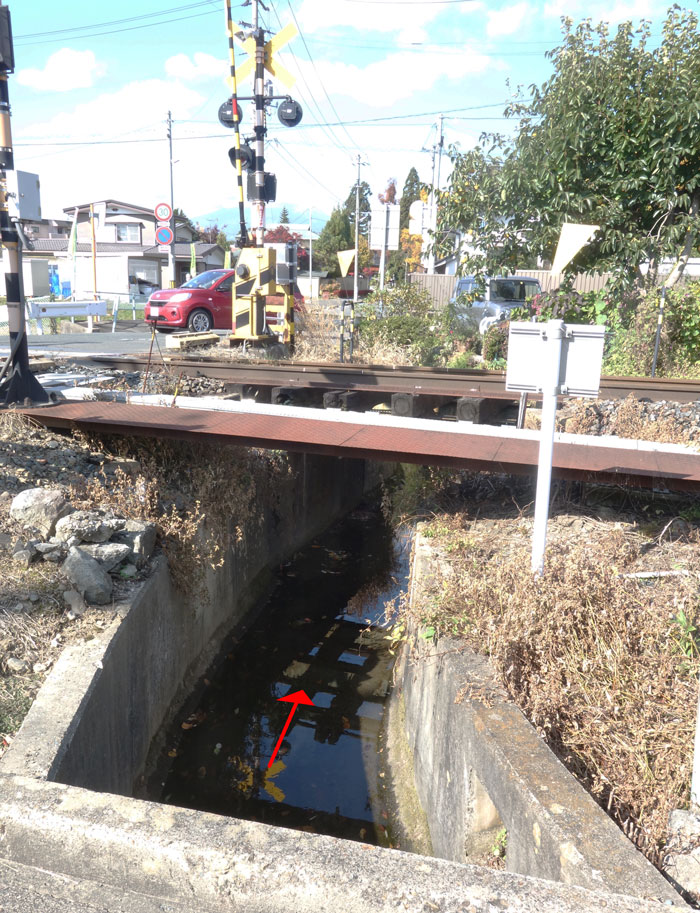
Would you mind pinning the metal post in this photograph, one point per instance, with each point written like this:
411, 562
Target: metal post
94, 263
659, 324
259, 93
554, 334
171, 250
311, 254
355, 291
242, 232
21, 384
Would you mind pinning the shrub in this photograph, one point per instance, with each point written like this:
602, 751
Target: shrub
495, 345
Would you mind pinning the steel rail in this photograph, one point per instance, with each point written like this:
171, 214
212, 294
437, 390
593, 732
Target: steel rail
450, 382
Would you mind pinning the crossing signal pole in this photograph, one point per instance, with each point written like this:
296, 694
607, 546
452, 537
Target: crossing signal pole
242, 239
20, 385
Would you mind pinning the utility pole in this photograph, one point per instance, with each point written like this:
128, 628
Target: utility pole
21, 385
432, 219
171, 250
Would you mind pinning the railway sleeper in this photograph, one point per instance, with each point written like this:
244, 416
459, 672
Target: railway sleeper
239, 392
415, 405
295, 396
361, 400
481, 411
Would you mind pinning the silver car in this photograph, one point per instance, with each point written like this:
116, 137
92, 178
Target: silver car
502, 295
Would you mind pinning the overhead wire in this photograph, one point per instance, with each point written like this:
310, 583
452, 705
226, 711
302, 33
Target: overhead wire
99, 25
323, 123
132, 28
318, 75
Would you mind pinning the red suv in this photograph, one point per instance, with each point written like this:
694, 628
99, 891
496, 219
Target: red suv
201, 304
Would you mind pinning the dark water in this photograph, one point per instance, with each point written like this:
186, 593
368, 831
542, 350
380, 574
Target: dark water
321, 631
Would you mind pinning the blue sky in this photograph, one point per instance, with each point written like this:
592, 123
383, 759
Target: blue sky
90, 95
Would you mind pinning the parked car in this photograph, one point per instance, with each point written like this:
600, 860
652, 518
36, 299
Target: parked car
501, 296
203, 303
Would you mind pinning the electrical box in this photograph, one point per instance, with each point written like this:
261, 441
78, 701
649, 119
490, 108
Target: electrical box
580, 365
24, 195
269, 190
7, 54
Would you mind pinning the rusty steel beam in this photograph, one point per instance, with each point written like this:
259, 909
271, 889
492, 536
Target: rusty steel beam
440, 447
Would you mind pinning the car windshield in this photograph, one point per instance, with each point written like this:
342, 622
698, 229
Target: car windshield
204, 280
513, 289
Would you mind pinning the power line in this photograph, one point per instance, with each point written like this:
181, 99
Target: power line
308, 52
323, 122
295, 165
132, 28
98, 25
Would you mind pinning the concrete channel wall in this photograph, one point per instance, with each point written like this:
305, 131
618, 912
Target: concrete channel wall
480, 766
95, 718
70, 842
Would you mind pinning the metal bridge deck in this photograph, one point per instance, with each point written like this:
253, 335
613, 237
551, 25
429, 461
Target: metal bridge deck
368, 436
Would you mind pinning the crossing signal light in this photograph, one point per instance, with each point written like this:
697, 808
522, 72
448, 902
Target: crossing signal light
226, 113
247, 157
290, 113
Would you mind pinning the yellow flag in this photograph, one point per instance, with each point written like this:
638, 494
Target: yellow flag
572, 238
345, 258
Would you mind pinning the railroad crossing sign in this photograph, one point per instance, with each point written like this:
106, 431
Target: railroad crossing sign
164, 234
274, 67
163, 212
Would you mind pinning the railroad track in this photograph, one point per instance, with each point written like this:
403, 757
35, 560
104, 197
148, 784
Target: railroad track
436, 382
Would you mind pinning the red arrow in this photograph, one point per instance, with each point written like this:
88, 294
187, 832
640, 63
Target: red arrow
298, 697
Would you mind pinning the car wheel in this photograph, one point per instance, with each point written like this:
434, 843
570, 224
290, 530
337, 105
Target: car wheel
199, 321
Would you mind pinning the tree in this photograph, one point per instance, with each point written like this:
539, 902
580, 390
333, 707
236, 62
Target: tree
213, 234
336, 235
389, 195
181, 218
365, 207
611, 139
411, 193
280, 235
284, 216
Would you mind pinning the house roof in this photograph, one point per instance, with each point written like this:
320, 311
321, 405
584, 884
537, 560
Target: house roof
182, 248
140, 209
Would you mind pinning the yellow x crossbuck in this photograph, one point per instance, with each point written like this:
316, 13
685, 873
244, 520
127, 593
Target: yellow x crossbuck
274, 67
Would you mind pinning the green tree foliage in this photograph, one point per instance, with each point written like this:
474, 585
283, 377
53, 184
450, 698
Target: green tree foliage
365, 207
411, 193
336, 235
284, 216
181, 218
612, 139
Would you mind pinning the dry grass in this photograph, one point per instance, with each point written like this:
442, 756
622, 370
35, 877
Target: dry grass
629, 420
317, 333
605, 666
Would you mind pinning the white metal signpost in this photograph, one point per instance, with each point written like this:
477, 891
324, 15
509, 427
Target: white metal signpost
555, 359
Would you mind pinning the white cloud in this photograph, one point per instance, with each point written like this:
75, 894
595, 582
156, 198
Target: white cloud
201, 66
623, 11
414, 34
507, 20
64, 70
321, 15
384, 82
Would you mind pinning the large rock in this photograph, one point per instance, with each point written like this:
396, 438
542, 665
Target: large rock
39, 508
88, 526
88, 577
140, 537
109, 554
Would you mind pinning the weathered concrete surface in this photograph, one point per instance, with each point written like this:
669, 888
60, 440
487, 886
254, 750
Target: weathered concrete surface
181, 859
95, 718
555, 829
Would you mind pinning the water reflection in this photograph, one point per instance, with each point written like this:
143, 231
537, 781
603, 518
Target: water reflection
321, 632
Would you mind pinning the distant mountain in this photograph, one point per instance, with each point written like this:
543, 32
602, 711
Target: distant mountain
228, 218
